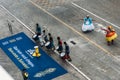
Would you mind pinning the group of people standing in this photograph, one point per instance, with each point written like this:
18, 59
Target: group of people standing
44, 39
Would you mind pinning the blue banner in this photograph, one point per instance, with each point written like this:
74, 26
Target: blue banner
20, 48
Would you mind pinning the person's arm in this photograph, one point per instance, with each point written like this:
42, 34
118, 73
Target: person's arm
93, 20
104, 29
81, 19
112, 30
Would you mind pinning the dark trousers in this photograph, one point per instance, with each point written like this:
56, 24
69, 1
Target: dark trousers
25, 78
60, 49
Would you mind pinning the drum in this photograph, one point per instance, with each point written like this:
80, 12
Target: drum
62, 54
47, 43
35, 37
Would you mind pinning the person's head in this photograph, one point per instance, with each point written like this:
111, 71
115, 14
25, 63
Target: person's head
37, 24
109, 27
43, 31
58, 38
65, 43
49, 34
87, 16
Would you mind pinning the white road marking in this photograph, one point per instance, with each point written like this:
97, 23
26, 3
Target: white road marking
78, 70
18, 20
4, 75
55, 51
75, 67
101, 69
95, 15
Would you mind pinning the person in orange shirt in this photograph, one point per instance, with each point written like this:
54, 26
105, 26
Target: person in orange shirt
110, 35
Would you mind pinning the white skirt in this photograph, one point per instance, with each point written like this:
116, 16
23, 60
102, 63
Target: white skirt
89, 27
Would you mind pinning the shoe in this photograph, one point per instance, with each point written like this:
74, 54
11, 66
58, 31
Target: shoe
112, 42
108, 43
69, 59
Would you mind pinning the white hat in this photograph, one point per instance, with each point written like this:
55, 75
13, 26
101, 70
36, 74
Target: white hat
35, 47
87, 15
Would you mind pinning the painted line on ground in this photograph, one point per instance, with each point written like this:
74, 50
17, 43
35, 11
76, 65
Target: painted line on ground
18, 19
78, 70
74, 67
55, 52
95, 15
4, 75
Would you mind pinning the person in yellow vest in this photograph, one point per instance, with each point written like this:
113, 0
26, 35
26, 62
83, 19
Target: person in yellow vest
110, 35
36, 53
25, 74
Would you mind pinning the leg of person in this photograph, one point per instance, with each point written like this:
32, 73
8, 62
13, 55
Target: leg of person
53, 46
68, 57
60, 49
108, 43
25, 78
112, 42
